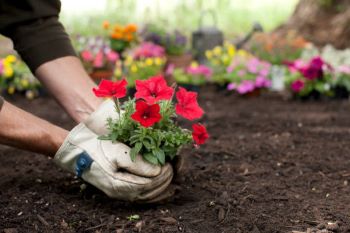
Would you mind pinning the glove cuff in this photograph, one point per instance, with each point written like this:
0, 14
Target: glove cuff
97, 121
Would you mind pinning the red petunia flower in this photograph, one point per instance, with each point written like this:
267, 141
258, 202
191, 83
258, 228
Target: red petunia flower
199, 134
107, 88
153, 90
146, 114
187, 105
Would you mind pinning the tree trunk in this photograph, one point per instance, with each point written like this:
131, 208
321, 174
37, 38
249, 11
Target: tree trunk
321, 22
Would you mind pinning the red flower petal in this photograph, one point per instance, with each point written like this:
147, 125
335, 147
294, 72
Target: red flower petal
153, 90
147, 115
199, 134
187, 105
108, 88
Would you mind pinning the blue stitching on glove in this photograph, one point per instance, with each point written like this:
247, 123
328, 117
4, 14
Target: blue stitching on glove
83, 162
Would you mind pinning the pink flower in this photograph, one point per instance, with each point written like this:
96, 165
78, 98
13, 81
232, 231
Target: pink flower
148, 49
1, 67
112, 56
86, 55
252, 65
241, 73
98, 61
169, 70
230, 68
264, 72
297, 85
295, 66
245, 87
231, 86
200, 70
262, 82
342, 69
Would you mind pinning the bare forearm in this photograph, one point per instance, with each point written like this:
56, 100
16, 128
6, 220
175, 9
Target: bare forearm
25, 131
68, 82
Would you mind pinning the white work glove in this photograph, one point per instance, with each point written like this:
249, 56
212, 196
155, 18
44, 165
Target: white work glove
97, 121
108, 167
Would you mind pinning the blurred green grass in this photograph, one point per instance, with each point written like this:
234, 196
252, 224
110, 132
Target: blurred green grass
234, 16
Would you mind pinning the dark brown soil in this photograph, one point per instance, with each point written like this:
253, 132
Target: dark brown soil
271, 165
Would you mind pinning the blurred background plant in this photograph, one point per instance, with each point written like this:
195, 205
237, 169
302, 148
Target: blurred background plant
15, 77
120, 37
138, 69
192, 77
310, 79
220, 57
95, 53
276, 48
247, 75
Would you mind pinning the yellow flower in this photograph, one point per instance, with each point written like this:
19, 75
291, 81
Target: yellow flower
231, 50
134, 68
128, 61
10, 59
24, 83
158, 61
242, 53
8, 72
141, 64
149, 62
118, 72
225, 59
194, 64
208, 54
217, 51
11, 90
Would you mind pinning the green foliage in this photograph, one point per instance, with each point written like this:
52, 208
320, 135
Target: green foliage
157, 144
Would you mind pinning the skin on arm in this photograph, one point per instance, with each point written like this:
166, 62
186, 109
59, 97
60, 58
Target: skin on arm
68, 82
23, 130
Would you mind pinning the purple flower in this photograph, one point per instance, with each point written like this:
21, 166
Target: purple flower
262, 82
245, 87
231, 86
314, 69
297, 85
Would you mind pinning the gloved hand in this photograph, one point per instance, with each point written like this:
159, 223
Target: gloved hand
97, 122
108, 167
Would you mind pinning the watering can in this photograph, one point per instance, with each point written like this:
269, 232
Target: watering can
255, 28
206, 37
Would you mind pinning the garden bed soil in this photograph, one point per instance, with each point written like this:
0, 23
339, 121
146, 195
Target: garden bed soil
271, 165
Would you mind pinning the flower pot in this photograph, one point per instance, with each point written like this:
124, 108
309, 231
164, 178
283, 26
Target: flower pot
97, 75
180, 61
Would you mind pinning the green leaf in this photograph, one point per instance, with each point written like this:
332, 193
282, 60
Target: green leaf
149, 157
147, 145
135, 150
160, 155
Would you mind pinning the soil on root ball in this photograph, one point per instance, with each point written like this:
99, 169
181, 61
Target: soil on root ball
270, 166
